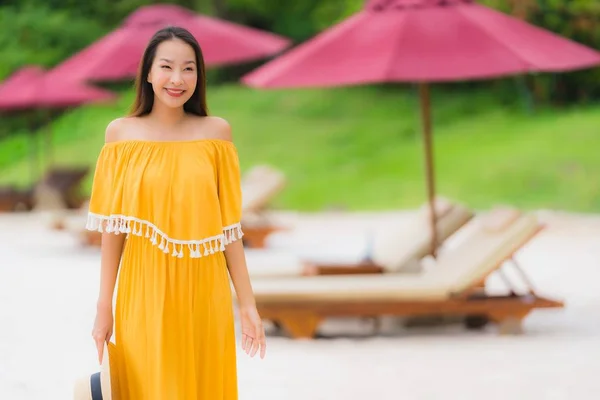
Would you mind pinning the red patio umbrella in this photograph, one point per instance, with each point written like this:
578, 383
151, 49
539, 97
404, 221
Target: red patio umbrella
422, 41
116, 55
31, 88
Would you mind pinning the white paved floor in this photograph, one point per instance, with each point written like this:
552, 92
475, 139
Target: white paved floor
48, 286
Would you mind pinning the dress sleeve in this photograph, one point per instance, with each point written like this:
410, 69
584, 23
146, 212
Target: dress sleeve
103, 200
230, 192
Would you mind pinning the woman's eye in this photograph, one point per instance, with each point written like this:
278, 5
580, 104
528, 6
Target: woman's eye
165, 66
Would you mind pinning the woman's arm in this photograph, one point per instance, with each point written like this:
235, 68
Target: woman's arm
112, 248
112, 244
236, 263
253, 333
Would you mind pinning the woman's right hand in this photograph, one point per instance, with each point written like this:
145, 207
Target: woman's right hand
103, 327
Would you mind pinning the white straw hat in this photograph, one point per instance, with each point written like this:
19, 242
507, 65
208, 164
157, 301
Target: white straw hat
96, 386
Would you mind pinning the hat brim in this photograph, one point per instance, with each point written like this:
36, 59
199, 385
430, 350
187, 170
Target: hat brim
105, 371
83, 386
83, 389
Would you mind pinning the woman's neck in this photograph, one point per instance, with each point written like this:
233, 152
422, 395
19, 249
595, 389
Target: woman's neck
167, 117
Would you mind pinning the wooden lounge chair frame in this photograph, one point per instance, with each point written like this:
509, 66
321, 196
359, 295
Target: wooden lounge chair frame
301, 319
256, 236
12, 198
363, 267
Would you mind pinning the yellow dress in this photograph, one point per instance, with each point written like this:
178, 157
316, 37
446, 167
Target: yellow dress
179, 203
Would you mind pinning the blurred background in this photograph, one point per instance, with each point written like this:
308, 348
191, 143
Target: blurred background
353, 119
526, 139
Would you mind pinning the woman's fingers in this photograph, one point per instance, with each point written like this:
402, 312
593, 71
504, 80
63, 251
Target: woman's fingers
244, 341
100, 339
254, 342
99, 348
254, 348
263, 344
258, 342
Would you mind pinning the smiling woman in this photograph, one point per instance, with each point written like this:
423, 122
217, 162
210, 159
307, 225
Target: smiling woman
167, 198
172, 66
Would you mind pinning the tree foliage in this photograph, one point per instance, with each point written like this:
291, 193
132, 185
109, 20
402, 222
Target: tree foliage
47, 31
40, 35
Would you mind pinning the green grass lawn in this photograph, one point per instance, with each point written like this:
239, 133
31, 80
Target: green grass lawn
361, 148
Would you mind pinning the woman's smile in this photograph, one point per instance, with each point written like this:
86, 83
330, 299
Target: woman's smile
175, 92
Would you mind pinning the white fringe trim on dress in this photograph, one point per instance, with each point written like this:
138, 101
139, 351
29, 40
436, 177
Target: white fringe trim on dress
130, 225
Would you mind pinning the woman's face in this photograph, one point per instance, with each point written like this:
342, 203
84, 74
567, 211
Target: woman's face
173, 74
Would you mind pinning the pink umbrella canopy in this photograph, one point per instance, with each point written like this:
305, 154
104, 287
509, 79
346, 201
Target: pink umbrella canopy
422, 41
116, 56
32, 88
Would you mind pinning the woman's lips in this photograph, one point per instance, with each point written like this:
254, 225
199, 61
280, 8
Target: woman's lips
175, 92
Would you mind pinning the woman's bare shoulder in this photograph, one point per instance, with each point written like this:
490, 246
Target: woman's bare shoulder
122, 128
212, 128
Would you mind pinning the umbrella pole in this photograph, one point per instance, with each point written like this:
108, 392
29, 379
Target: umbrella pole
429, 167
49, 155
33, 153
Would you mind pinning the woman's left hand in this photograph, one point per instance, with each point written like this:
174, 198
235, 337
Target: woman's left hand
253, 333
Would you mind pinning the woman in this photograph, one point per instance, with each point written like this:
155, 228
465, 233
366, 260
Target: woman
167, 199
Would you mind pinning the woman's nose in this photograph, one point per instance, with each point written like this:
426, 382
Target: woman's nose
176, 78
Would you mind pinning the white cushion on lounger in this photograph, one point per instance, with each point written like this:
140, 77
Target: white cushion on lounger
468, 263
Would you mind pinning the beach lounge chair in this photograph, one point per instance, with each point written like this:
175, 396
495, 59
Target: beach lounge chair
259, 185
401, 248
449, 287
66, 182
13, 199
58, 189
398, 249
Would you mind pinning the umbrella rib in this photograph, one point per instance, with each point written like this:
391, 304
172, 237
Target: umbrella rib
484, 30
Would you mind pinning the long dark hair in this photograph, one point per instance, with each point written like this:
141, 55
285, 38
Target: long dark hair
144, 98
